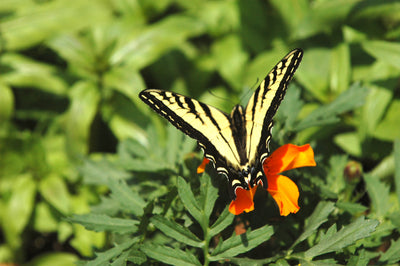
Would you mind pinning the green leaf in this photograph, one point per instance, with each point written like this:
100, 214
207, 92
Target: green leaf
392, 255
155, 40
99, 172
31, 24
176, 231
318, 217
350, 142
105, 173
103, 258
128, 199
375, 107
101, 222
54, 189
313, 72
169, 255
54, 258
388, 52
372, 10
84, 98
125, 81
32, 74
137, 257
340, 69
346, 236
397, 168
290, 107
6, 102
335, 179
352, 208
19, 208
389, 128
361, 259
188, 199
350, 99
208, 195
379, 195
230, 58
224, 220
238, 244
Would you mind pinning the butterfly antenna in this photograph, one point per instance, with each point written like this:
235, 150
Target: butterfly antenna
247, 91
217, 96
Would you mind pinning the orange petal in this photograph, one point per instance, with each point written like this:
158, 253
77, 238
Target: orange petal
288, 157
243, 202
202, 166
285, 193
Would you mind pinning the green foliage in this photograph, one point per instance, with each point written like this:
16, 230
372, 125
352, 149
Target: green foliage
86, 167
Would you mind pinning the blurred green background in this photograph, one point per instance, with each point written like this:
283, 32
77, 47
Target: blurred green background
71, 71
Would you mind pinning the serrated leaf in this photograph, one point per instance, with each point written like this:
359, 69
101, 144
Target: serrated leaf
346, 236
361, 259
176, 231
188, 199
103, 258
378, 193
169, 255
208, 196
224, 220
329, 233
352, 208
318, 217
238, 244
99, 172
335, 179
101, 222
130, 200
392, 255
137, 257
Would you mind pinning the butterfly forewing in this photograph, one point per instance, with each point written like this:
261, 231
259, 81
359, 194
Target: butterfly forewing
263, 104
209, 126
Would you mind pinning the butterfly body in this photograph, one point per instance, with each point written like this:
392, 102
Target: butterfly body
236, 143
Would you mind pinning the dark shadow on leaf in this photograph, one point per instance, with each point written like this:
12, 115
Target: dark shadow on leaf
245, 241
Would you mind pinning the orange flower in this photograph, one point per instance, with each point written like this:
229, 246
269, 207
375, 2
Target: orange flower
282, 189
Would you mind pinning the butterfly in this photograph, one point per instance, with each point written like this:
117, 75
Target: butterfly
237, 143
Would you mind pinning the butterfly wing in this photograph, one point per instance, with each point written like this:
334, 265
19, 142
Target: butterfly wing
261, 108
208, 125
